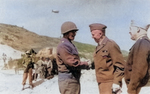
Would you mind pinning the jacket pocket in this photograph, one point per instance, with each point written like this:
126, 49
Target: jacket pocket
106, 59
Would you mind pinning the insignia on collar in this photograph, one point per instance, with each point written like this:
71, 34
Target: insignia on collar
104, 51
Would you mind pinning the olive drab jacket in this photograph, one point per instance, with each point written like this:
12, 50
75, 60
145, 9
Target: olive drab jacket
109, 62
137, 66
26, 61
67, 58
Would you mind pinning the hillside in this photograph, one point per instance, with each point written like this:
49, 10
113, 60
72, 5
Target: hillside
22, 39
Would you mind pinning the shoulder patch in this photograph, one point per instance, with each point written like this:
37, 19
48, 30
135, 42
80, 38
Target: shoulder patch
62, 41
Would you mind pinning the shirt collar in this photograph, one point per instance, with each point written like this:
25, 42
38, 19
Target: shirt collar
103, 42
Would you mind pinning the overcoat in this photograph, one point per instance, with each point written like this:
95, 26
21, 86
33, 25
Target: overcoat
109, 62
136, 71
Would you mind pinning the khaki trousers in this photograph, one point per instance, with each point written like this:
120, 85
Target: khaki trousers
25, 76
105, 88
68, 84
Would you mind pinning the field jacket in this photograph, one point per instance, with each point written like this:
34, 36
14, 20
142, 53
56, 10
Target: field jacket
67, 57
136, 71
109, 62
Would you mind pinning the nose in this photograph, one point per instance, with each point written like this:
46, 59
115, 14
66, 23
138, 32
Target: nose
92, 35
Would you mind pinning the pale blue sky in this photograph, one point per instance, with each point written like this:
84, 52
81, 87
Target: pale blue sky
37, 16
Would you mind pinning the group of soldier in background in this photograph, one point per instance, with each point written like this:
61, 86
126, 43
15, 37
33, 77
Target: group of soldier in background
43, 67
6, 61
36, 67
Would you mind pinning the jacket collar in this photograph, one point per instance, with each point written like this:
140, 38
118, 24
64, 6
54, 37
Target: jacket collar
102, 44
69, 43
143, 37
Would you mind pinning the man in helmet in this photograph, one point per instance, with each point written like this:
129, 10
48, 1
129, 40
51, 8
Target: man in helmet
68, 61
108, 60
28, 64
136, 71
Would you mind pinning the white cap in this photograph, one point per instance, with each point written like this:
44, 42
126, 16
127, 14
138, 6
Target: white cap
148, 32
139, 24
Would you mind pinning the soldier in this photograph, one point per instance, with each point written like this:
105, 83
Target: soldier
108, 60
28, 64
41, 69
16, 67
35, 72
136, 71
33, 55
49, 66
4, 59
68, 61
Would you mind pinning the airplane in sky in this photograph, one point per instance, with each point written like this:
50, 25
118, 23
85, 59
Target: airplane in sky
55, 11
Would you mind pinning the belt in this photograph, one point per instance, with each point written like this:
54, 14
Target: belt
65, 75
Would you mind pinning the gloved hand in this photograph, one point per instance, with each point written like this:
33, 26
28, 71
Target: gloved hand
115, 88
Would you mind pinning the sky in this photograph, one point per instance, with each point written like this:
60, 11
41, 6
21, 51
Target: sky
37, 16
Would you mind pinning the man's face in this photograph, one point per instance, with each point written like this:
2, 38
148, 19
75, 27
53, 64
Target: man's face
97, 35
72, 35
133, 32
148, 32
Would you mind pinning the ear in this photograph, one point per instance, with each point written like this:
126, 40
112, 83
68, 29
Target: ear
147, 27
138, 30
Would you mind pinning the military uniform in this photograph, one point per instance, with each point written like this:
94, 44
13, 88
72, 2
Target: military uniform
108, 60
49, 67
109, 63
68, 77
136, 71
41, 69
28, 64
68, 61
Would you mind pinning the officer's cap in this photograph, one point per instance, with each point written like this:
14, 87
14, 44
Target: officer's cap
97, 26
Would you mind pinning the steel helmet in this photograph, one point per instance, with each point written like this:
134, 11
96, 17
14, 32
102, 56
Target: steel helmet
68, 26
28, 52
